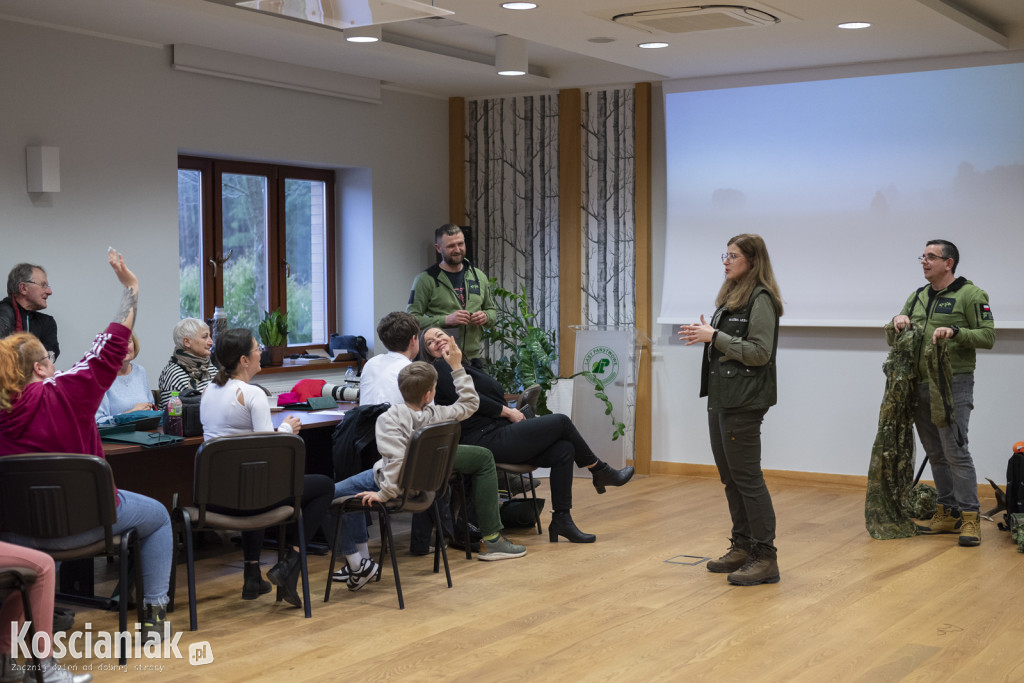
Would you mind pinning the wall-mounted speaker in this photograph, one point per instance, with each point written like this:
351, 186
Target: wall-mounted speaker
42, 169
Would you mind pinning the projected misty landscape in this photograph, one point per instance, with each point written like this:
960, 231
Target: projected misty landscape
846, 180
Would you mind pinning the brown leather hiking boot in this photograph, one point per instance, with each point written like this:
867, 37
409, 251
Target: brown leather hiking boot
970, 529
761, 567
942, 522
732, 560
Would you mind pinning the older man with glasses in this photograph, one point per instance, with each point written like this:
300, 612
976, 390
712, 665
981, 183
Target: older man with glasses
27, 292
955, 319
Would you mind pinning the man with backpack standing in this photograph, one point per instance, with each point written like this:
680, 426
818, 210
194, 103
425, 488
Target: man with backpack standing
956, 319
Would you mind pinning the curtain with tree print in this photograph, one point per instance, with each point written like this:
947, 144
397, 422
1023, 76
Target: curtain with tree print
608, 201
512, 195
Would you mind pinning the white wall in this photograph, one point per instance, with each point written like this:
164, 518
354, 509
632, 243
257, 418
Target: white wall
120, 116
830, 382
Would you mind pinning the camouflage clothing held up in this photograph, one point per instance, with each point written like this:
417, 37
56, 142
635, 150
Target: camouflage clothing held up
891, 472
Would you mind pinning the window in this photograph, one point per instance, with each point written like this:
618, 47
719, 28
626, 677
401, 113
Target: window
256, 237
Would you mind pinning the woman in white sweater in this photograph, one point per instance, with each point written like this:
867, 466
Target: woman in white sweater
231, 405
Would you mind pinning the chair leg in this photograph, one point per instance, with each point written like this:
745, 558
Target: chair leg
533, 492
127, 541
440, 546
334, 555
303, 571
386, 539
140, 589
190, 569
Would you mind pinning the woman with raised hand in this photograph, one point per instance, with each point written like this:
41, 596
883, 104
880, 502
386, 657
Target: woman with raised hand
231, 405
45, 411
544, 441
738, 377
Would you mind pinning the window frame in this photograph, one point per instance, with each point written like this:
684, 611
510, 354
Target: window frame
211, 170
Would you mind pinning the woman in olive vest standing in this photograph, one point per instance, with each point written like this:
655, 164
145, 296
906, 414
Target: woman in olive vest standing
738, 377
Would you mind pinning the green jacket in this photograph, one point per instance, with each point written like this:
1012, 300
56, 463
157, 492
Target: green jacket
433, 297
738, 370
961, 304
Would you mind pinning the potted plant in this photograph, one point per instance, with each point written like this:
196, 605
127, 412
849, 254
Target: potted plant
274, 337
527, 352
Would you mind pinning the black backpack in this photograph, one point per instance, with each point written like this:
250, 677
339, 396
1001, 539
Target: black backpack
191, 425
1014, 486
354, 442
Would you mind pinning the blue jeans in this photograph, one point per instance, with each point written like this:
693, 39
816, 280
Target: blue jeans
353, 524
152, 524
952, 465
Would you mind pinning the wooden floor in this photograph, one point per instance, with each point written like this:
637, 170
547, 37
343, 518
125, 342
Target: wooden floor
639, 605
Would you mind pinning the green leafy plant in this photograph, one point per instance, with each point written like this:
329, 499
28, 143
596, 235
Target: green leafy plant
599, 393
274, 329
527, 353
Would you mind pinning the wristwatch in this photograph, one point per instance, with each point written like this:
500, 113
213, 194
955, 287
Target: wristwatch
955, 328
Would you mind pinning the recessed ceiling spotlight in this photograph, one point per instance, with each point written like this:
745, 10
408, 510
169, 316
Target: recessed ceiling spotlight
600, 40
652, 45
855, 24
363, 34
519, 5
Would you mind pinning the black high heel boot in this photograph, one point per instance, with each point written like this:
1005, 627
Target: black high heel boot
285, 576
604, 475
562, 525
254, 585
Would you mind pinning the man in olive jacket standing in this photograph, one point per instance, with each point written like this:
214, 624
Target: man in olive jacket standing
453, 293
953, 309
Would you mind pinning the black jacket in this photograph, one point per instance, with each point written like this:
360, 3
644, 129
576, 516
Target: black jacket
492, 396
41, 325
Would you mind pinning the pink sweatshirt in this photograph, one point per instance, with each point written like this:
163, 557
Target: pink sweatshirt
58, 415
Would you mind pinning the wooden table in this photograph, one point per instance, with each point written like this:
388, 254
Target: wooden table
162, 471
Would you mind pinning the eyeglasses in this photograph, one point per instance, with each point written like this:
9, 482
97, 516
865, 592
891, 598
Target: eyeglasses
729, 258
930, 258
44, 284
50, 355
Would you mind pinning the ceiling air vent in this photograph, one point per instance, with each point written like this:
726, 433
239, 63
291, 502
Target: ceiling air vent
696, 18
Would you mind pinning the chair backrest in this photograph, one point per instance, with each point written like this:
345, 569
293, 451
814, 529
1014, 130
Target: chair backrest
429, 460
250, 472
527, 401
47, 496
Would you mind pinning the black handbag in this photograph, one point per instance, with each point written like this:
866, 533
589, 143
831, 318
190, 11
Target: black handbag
518, 512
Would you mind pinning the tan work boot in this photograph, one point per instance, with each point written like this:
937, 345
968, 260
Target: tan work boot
761, 567
970, 529
942, 522
734, 559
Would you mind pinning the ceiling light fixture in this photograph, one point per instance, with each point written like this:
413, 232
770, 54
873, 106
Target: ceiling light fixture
654, 45
854, 24
363, 34
510, 58
519, 5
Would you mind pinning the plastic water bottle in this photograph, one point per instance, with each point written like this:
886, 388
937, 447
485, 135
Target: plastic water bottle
350, 376
174, 425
